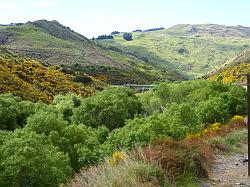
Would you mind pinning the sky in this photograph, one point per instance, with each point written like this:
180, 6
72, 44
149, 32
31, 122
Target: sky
96, 17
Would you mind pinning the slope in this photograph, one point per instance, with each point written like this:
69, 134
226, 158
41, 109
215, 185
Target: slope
192, 49
55, 44
240, 64
31, 80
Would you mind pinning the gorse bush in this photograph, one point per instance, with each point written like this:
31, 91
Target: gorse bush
33, 81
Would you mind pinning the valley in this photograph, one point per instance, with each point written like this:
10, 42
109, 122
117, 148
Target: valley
70, 114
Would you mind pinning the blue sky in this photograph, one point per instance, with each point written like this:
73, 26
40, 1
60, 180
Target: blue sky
95, 17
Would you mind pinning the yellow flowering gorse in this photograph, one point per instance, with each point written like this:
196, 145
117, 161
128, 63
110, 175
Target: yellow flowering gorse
116, 158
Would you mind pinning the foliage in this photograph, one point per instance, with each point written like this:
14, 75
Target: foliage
84, 131
32, 81
8, 112
28, 159
237, 120
115, 32
229, 75
81, 143
213, 110
175, 122
127, 36
46, 121
103, 37
109, 108
154, 29
14, 112
187, 108
150, 103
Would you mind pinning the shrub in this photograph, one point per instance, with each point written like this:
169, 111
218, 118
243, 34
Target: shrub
14, 112
110, 108
28, 159
213, 110
65, 104
176, 121
182, 161
238, 120
235, 99
151, 103
81, 143
8, 112
46, 121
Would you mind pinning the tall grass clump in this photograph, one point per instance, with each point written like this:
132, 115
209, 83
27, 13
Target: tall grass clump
122, 169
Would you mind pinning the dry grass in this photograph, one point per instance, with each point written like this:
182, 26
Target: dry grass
181, 160
121, 170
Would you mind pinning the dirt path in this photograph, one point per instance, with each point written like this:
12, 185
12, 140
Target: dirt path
229, 171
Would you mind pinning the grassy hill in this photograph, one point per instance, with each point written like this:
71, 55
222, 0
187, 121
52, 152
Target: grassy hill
240, 64
54, 44
192, 49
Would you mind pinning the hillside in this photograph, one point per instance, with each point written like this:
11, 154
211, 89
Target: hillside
192, 49
31, 80
54, 44
240, 64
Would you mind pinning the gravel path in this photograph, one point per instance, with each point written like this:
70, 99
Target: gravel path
229, 171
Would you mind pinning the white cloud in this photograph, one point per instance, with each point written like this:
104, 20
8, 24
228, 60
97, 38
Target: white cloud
44, 4
8, 5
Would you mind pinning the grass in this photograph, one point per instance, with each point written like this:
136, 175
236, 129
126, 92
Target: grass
120, 170
188, 53
233, 142
166, 163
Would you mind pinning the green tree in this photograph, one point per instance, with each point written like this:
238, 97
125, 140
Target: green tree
127, 36
9, 111
81, 143
213, 110
46, 121
28, 159
110, 108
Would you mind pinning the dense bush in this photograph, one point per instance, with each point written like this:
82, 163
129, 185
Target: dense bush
176, 121
28, 159
187, 107
109, 108
81, 143
74, 131
213, 110
8, 112
14, 112
33, 81
46, 121
151, 104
